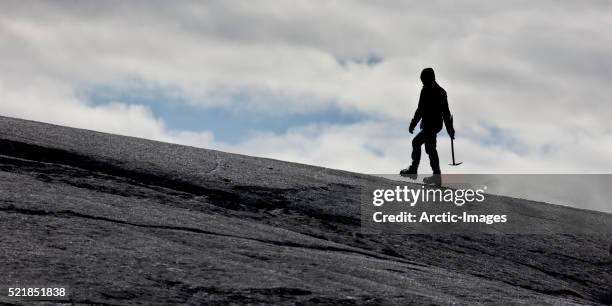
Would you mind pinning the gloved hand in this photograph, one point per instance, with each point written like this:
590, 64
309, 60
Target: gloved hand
411, 129
451, 133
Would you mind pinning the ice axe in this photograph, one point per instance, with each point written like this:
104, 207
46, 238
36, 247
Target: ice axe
453, 148
453, 153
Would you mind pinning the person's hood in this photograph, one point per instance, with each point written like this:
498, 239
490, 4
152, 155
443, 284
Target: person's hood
428, 77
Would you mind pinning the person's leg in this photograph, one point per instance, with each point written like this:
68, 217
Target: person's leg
430, 148
417, 142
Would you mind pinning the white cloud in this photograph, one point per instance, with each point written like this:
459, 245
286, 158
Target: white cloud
537, 71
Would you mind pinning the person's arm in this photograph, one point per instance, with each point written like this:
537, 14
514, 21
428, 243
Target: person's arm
447, 117
418, 114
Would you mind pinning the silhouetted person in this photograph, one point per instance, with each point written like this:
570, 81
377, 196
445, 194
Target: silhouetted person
431, 112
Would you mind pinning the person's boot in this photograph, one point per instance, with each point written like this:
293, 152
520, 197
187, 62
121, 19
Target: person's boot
410, 172
435, 180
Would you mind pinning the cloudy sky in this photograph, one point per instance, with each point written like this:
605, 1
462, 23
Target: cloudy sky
331, 83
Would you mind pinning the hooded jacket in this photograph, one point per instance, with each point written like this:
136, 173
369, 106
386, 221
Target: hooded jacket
432, 110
